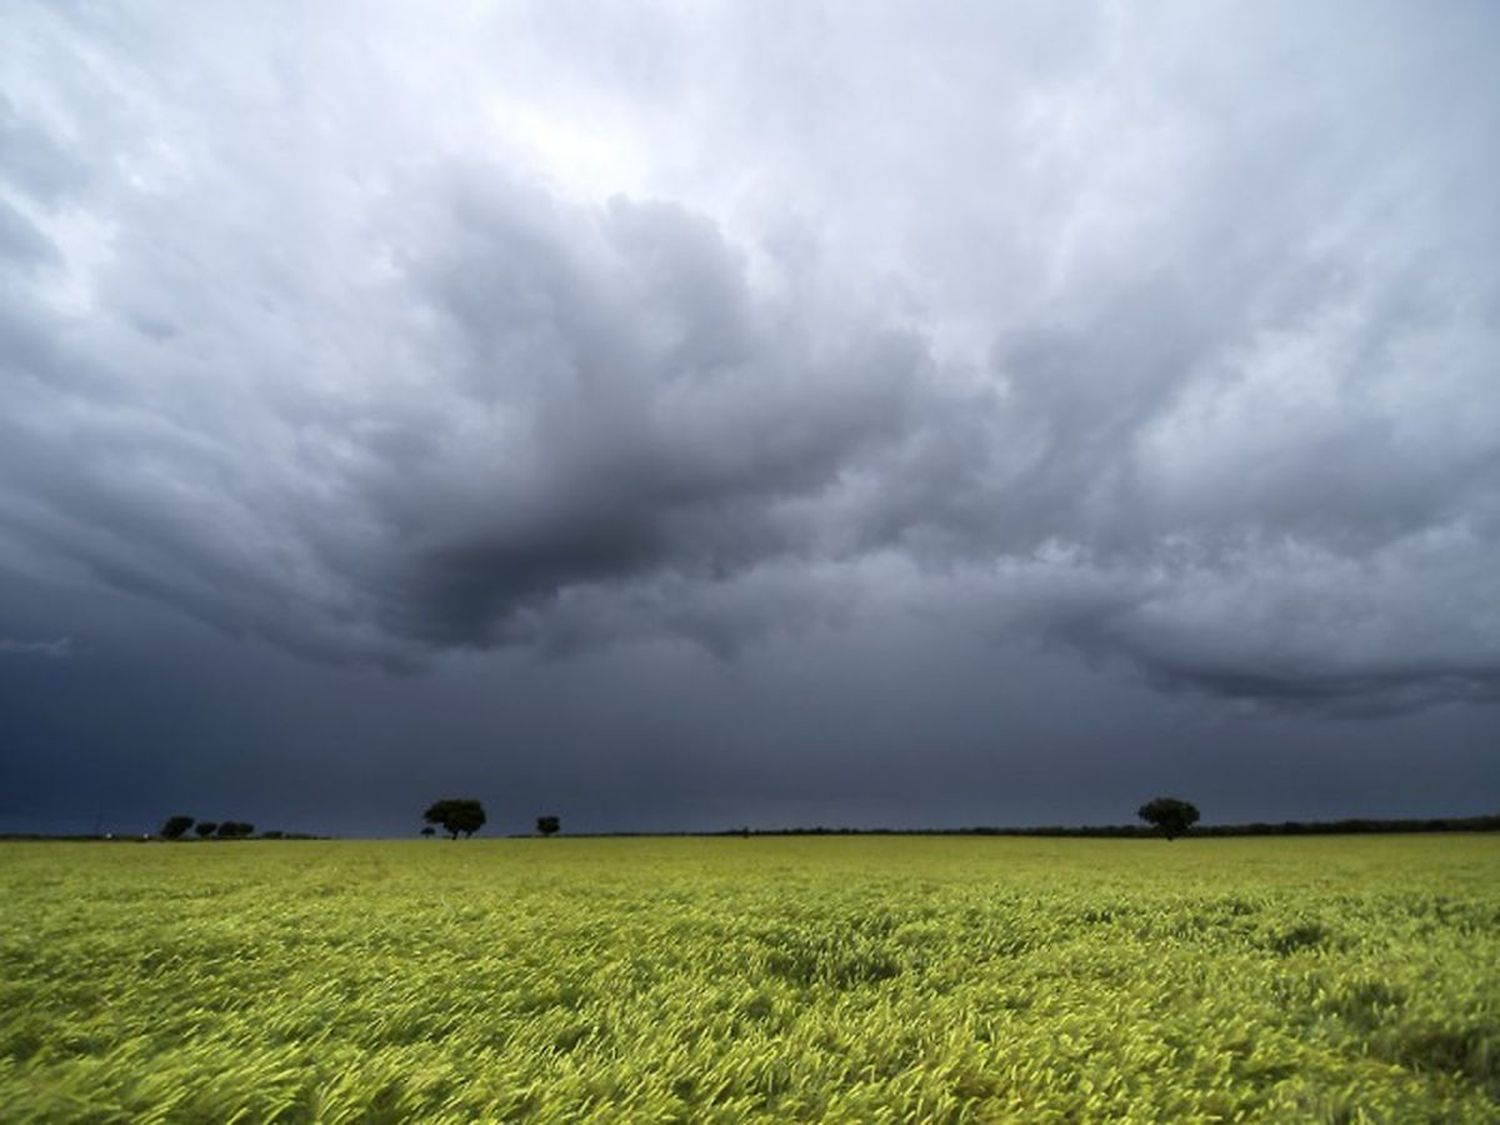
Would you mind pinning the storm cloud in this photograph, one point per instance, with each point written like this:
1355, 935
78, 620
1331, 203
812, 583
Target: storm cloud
1167, 337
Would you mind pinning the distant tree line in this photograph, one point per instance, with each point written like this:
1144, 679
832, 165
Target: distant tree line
176, 827
1127, 831
1165, 816
466, 815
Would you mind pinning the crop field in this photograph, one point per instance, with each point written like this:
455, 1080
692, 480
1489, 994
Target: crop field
762, 979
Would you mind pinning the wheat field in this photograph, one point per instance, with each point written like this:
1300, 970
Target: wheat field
762, 979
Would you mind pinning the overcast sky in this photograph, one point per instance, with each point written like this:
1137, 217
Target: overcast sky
685, 415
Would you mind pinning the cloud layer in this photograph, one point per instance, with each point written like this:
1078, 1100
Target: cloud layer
1171, 336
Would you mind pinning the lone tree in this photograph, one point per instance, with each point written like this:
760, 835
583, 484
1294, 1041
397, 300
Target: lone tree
1169, 815
206, 828
429, 831
547, 825
175, 827
456, 814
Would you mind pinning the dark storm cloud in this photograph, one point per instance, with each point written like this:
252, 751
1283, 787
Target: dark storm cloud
1169, 338
623, 405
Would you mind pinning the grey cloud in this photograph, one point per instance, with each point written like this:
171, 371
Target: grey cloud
20, 241
1173, 353
615, 405
35, 162
52, 650
650, 413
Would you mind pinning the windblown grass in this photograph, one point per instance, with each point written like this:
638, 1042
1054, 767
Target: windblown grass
895, 979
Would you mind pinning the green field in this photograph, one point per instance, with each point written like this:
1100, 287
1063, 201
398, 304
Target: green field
854, 979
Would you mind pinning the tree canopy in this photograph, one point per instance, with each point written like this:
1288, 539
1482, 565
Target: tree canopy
175, 827
1172, 816
455, 815
547, 825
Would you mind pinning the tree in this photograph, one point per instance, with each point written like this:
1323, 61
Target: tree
205, 828
547, 825
1169, 815
235, 829
456, 814
175, 828
429, 831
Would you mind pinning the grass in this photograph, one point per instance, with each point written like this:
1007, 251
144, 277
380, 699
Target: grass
857, 979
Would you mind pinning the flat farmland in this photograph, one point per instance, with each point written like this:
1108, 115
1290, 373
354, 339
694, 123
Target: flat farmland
771, 979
